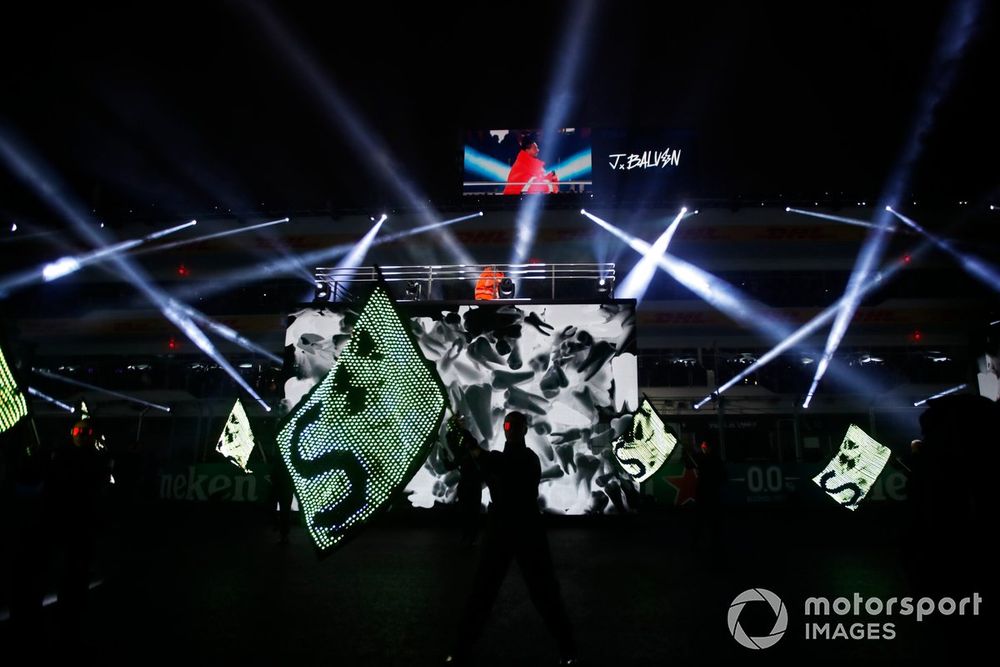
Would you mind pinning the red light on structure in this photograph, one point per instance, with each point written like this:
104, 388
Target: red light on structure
182, 271
906, 259
172, 344
916, 336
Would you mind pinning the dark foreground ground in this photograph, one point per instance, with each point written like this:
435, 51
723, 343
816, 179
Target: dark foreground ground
209, 584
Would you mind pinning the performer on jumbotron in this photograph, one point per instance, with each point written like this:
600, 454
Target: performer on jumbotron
527, 174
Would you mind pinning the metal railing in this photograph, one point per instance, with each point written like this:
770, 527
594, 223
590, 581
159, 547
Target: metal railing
335, 278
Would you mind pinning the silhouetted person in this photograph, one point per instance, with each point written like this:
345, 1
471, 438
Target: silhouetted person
282, 485
906, 461
25, 464
952, 498
514, 532
465, 450
711, 476
282, 488
78, 477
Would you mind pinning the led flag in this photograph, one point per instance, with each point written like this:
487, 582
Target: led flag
236, 442
850, 475
12, 403
362, 433
646, 445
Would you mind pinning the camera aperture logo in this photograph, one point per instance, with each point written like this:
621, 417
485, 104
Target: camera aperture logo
780, 618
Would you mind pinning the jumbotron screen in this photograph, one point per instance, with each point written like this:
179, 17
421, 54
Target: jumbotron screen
520, 162
571, 368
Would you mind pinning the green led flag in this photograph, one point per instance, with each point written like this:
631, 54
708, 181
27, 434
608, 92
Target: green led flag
646, 446
12, 404
362, 433
236, 442
850, 475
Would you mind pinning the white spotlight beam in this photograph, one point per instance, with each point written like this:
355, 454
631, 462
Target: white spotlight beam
48, 187
957, 30
638, 279
54, 401
171, 230
198, 337
366, 143
357, 254
869, 255
71, 264
835, 218
423, 228
715, 291
67, 265
562, 91
729, 300
109, 392
946, 392
262, 271
225, 332
976, 267
207, 237
291, 264
807, 329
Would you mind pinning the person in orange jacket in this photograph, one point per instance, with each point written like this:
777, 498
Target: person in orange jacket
488, 284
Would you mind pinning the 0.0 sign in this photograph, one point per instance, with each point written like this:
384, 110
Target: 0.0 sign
760, 480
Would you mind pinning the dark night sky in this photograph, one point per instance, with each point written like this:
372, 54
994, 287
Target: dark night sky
186, 105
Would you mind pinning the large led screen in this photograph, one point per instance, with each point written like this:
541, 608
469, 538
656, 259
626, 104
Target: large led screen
570, 367
520, 162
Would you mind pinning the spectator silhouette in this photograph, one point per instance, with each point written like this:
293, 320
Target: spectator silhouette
465, 451
947, 542
514, 532
25, 467
77, 481
282, 487
711, 477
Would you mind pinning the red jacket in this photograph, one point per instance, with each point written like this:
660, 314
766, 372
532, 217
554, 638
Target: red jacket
529, 169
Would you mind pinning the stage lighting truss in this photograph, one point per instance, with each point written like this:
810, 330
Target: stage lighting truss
334, 278
362, 433
646, 443
12, 404
851, 474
